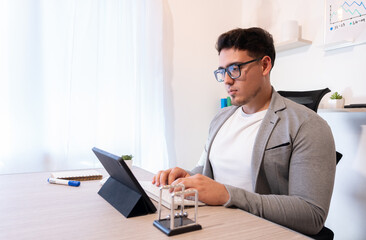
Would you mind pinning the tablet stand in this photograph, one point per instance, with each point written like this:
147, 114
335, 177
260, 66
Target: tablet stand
177, 223
122, 198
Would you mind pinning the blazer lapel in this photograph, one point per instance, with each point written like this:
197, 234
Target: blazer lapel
264, 132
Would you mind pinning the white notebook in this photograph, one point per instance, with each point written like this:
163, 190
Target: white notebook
153, 192
79, 175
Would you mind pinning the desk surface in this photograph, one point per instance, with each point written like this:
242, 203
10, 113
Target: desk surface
31, 208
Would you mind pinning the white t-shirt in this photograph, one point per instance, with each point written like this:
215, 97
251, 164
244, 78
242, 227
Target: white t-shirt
231, 151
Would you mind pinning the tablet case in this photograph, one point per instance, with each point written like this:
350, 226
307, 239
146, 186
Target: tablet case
122, 189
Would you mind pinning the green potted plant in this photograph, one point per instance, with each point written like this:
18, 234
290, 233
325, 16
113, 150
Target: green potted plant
127, 159
336, 101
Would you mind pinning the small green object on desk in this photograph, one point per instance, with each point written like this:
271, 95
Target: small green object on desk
126, 157
336, 95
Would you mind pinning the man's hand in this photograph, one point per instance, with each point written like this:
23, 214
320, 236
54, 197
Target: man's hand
209, 191
169, 176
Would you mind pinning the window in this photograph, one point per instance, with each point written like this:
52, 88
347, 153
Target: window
79, 74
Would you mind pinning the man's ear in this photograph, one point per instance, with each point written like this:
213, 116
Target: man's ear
266, 65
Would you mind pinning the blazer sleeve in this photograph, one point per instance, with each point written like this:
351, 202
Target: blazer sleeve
310, 183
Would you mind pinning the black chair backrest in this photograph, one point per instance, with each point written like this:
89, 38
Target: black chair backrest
310, 99
339, 156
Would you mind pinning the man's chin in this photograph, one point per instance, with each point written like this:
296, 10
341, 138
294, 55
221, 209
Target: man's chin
237, 102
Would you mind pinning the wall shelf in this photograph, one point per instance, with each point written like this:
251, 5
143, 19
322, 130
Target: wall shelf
340, 44
296, 43
322, 110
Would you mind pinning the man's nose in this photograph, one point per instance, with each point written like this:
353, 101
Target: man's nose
228, 80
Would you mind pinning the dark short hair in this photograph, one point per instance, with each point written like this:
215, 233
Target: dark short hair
257, 41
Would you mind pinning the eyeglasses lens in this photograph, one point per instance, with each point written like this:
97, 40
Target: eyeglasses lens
234, 71
220, 75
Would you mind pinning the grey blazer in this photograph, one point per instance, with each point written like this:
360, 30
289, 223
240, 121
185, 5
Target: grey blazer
293, 166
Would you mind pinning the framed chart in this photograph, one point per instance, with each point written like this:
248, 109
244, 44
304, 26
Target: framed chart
345, 23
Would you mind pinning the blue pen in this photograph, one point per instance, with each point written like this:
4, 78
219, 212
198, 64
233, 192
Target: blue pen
64, 182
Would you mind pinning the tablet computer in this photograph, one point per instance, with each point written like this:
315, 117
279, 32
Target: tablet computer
122, 190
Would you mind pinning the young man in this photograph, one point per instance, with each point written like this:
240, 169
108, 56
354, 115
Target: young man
266, 154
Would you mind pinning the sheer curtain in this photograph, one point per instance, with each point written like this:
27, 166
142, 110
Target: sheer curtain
79, 74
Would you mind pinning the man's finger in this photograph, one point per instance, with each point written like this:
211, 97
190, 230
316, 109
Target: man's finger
164, 177
174, 174
158, 178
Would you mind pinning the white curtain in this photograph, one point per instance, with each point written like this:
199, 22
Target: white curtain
79, 74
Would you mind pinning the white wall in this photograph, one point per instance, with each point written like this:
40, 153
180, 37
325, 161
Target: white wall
195, 94
347, 215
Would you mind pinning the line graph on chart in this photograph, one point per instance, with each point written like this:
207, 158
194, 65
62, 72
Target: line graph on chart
341, 11
345, 22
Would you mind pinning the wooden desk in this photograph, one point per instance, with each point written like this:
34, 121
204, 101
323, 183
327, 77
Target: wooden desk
31, 208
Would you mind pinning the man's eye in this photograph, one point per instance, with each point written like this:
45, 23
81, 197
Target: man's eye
233, 68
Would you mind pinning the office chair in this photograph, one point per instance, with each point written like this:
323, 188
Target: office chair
311, 99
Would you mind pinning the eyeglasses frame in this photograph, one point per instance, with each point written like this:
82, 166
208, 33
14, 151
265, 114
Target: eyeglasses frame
239, 65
